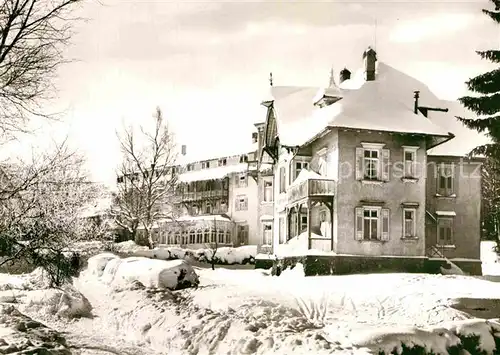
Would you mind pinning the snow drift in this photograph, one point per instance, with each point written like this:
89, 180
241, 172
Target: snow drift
31, 292
120, 273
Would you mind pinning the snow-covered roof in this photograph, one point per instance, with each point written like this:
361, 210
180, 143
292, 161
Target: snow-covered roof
206, 152
385, 104
219, 172
446, 213
216, 217
465, 139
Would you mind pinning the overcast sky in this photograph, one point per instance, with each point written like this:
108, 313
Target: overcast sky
206, 64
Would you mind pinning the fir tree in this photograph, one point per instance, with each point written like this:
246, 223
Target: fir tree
487, 103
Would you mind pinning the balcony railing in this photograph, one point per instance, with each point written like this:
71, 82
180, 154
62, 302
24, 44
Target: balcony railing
204, 195
311, 188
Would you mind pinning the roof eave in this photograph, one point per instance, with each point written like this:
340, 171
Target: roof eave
447, 138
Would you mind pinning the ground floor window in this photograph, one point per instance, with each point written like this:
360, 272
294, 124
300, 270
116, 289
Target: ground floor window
445, 231
372, 223
220, 236
267, 233
242, 234
409, 222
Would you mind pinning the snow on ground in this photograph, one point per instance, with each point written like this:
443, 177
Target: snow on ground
490, 259
249, 311
298, 246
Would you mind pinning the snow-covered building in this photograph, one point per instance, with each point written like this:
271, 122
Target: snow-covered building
215, 201
374, 165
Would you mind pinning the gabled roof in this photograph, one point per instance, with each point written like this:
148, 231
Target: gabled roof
385, 104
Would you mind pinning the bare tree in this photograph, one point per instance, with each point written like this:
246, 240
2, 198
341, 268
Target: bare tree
147, 190
40, 214
33, 34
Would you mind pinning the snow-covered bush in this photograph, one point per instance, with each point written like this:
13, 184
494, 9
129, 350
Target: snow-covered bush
474, 336
123, 273
223, 255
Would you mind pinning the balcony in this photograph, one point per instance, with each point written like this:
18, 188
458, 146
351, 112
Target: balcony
310, 188
204, 195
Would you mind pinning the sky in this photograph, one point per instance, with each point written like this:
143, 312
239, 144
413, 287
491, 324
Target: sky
207, 64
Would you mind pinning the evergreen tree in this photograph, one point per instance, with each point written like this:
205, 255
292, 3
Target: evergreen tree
487, 103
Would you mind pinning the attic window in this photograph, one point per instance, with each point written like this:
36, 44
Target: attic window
244, 158
222, 162
205, 164
190, 167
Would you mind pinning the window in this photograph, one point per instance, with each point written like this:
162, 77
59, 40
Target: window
220, 236
372, 162
372, 223
228, 237
282, 237
174, 170
268, 190
199, 236
409, 222
445, 179
222, 162
445, 231
208, 208
244, 158
192, 236
242, 234
206, 236
241, 180
303, 223
267, 233
299, 165
410, 162
282, 179
184, 238
223, 206
241, 203
190, 167
119, 179
323, 165
205, 164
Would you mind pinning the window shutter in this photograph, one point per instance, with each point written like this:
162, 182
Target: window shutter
359, 225
386, 156
359, 163
385, 224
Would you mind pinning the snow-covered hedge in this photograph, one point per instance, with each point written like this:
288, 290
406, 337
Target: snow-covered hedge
223, 256
121, 273
472, 336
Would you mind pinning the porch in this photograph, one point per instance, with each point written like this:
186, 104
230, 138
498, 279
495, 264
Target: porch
306, 213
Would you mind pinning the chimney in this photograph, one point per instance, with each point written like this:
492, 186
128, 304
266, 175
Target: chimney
370, 58
254, 137
416, 96
183, 149
345, 75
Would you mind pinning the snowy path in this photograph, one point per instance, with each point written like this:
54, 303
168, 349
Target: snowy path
247, 312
